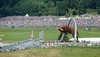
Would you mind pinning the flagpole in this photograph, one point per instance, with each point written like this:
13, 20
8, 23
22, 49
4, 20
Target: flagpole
41, 34
32, 34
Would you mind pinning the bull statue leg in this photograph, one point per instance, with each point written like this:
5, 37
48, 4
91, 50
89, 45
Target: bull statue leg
62, 37
77, 39
59, 37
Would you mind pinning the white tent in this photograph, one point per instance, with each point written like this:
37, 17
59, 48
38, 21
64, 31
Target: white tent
63, 18
26, 15
88, 39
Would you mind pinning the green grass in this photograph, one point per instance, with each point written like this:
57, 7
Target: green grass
50, 33
55, 52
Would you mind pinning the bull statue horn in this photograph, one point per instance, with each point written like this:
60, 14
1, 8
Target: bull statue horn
60, 29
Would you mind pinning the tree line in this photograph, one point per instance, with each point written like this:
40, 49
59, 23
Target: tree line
47, 7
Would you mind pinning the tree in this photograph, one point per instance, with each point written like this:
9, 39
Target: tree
31, 7
74, 12
47, 7
62, 8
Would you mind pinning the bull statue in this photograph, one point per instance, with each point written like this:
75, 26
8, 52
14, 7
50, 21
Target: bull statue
65, 29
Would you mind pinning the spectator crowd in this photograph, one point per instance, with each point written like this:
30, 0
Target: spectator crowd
21, 21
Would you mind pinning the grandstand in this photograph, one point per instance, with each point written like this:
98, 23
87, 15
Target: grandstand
21, 21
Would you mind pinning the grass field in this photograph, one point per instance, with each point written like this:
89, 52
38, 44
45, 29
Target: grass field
50, 33
55, 52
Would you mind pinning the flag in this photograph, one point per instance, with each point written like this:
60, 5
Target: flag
41, 34
32, 34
